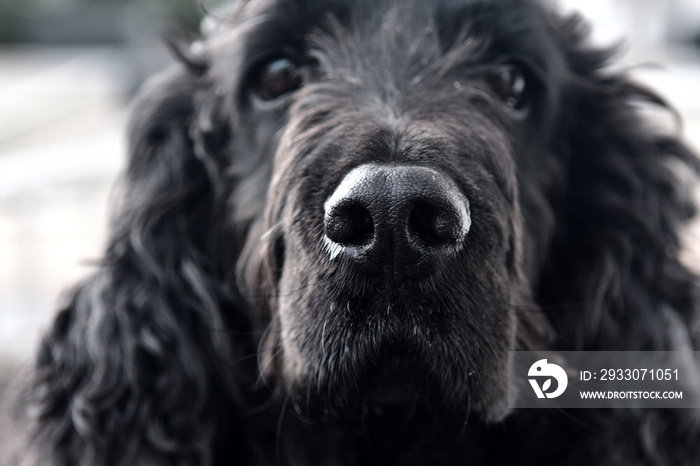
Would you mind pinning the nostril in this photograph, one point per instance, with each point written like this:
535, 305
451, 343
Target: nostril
349, 225
434, 225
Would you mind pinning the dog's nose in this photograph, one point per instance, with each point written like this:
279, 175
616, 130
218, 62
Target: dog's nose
396, 220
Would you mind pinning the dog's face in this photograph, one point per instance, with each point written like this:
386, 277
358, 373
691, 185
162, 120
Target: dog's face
385, 140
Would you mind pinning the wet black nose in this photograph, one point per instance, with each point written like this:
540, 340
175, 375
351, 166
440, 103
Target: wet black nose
396, 220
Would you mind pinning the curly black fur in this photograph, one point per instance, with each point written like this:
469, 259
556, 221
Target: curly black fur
217, 330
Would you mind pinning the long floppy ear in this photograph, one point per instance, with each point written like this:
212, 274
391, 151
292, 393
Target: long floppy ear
131, 371
614, 279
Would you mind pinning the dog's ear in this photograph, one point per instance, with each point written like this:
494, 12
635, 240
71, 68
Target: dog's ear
614, 266
131, 371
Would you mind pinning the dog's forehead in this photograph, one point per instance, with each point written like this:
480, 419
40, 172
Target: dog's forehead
384, 31
304, 14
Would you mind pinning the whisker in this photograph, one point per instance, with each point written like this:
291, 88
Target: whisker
278, 295
278, 431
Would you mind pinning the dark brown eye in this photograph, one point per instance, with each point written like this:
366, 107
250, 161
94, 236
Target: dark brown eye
276, 78
509, 84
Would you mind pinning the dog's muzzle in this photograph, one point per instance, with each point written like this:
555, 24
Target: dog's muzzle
396, 221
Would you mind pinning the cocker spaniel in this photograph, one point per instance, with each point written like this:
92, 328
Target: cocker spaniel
338, 219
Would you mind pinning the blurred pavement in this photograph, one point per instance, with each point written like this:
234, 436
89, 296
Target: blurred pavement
61, 147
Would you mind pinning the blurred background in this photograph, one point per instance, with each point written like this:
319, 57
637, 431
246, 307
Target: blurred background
68, 69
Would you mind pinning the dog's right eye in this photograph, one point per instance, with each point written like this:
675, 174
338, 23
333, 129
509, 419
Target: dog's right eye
510, 85
276, 78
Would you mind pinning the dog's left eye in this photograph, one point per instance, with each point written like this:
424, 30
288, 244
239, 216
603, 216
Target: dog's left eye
510, 85
276, 78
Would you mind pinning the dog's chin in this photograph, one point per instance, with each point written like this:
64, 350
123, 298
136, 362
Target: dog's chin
400, 353
396, 386
397, 391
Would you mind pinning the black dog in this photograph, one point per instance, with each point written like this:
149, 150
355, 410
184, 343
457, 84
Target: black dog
339, 218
